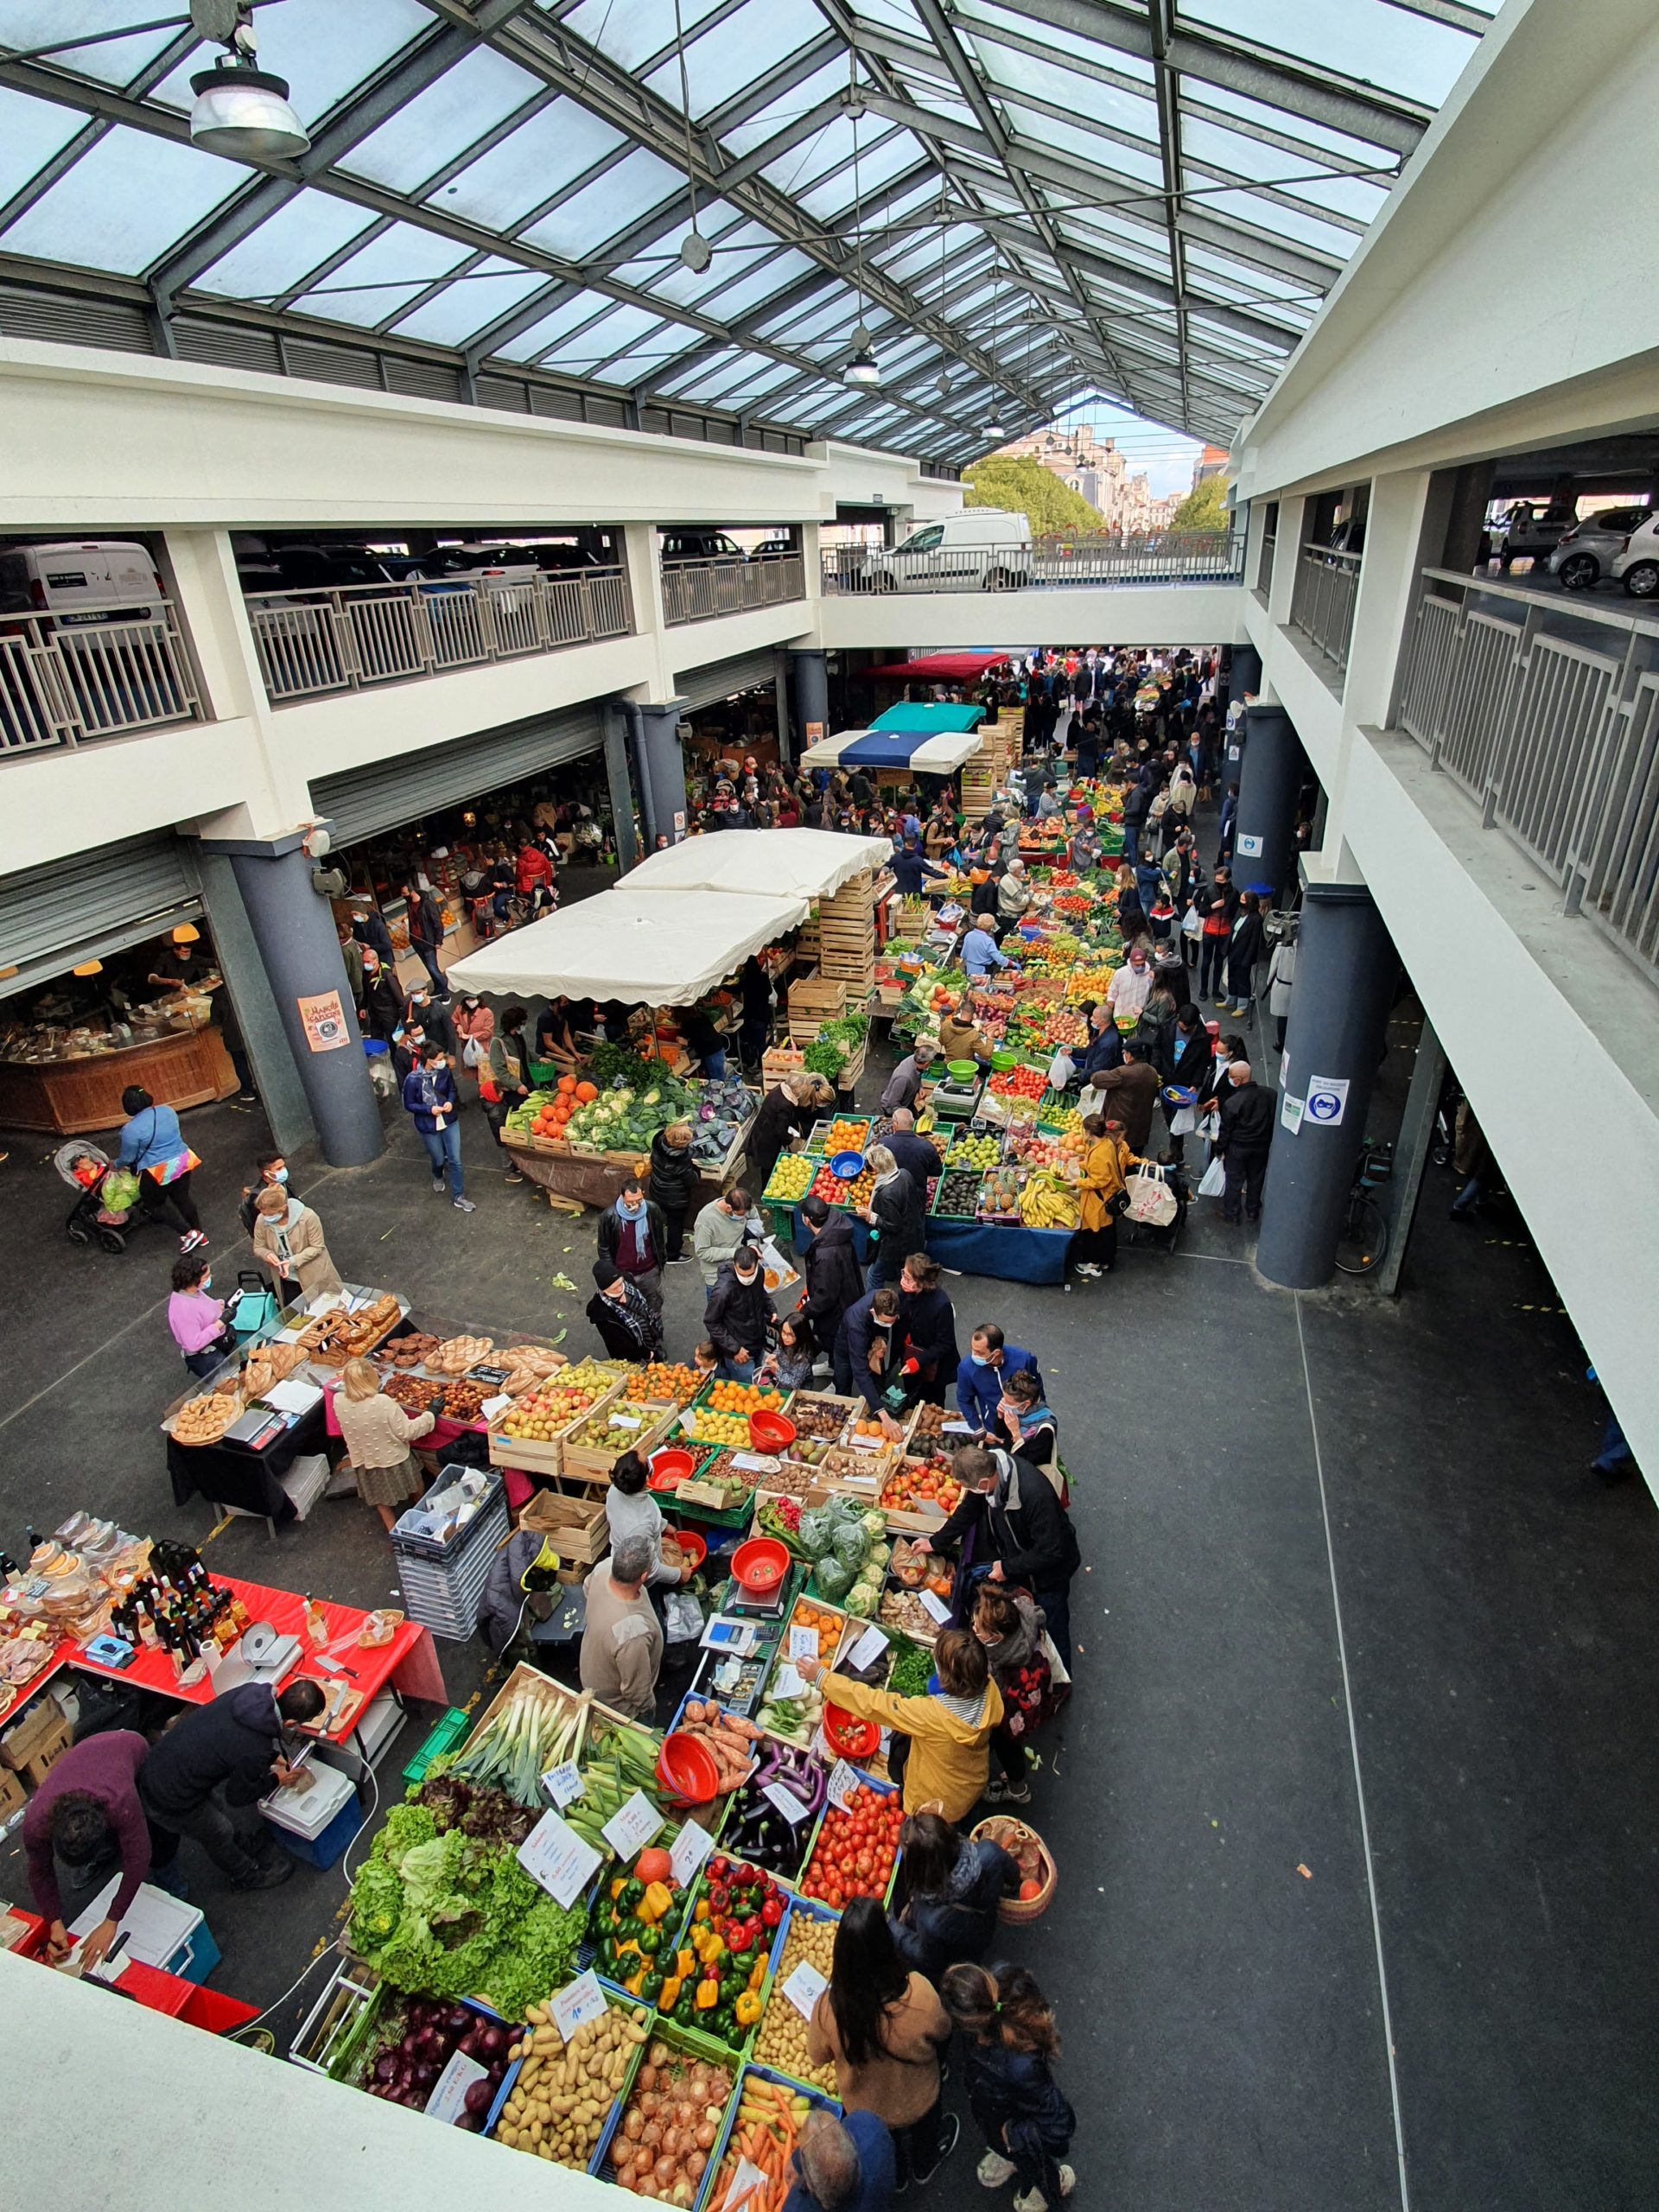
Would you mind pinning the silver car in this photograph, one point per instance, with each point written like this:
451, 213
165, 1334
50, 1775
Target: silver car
1588, 551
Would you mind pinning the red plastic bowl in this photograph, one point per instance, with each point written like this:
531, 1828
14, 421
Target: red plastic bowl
686, 1769
852, 1738
760, 1565
770, 1431
691, 1545
671, 1466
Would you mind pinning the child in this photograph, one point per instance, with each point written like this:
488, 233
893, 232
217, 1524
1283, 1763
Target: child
1010, 2041
796, 1350
706, 1359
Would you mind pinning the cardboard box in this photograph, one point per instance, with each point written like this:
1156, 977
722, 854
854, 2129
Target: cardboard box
26, 1737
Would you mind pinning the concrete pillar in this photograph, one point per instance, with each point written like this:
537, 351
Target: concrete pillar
619, 785
276, 1078
1292, 515
1346, 968
811, 695
1270, 777
780, 693
664, 764
293, 927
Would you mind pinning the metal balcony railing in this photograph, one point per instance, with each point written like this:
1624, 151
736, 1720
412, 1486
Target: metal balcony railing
1545, 712
1164, 556
1322, 600
63, 684
696, 591
343, 639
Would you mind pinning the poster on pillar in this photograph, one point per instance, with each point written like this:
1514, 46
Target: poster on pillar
324, 1020
1250, 848
1327, 1099
814, 734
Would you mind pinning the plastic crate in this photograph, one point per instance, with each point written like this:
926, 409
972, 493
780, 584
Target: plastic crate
620, 2001
688, 2044
448, 1736
443, 1582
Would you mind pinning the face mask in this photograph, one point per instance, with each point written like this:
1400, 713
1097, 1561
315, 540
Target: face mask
980, 1358
206, 1283
278, 1175
630, 1212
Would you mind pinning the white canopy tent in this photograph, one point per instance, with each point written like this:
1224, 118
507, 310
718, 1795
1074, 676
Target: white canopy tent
938, 755
776, 863
658, 947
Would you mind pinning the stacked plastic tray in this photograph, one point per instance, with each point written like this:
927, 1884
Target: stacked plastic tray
443, 1582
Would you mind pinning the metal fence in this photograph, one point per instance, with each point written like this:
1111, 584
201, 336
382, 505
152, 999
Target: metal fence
1545, 712
1165, 556
62, 685
1322, 600
328, 639
695, 591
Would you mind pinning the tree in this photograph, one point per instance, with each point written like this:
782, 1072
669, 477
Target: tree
1026, 488
1205, 507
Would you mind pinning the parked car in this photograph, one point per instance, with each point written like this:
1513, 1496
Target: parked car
1588, 551
773, 549
309, 568
498, 564
1528, 531
74, 582
981, 549
680, 546
559, 560
1638, 567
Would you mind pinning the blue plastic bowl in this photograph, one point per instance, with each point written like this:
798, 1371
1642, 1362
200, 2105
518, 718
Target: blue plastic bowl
1178, 1094
847, 1165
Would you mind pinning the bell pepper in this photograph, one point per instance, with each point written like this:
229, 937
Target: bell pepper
631, 1893
635, 1983
757, 1974
618, 1886
741, 1939
771, 1911
656, 1902
685, 1963
651, 1941
652, 1988
700, 1910
671, 1994
707, 1995
748, 2008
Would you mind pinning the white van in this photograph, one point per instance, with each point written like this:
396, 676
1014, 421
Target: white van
981, 549
75, 583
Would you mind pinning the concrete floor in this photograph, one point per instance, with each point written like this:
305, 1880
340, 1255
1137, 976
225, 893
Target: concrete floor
1331, 1543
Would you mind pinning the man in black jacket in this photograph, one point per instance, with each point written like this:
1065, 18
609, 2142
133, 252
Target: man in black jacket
1190, 1055
1019, 1526
919, 1160
834, 1279
1247, 1118
739, 1317
426, 934
866, 1350
230, 1750
929, 1322
633, 1242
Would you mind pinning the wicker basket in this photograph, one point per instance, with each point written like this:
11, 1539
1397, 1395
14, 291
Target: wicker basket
1003, 1828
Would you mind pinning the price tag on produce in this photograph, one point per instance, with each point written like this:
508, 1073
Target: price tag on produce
632, 1828
786, 1801
786, 1683
802, 1643
691, 1847
843, 1784
627, 1420
805, 1987
754, 1463
958, 1428
935, 1604
563, 1783
448, 2097
556, 1857
746, 2183
579, 2001
869, 1649
490, 1407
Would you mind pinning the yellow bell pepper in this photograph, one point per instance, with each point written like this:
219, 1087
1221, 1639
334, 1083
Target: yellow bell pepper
748, 2008
700, 1910
671, 1994
685, 1964
635, 1982
707, 1995
618, 1886
757, 1974
655, 1903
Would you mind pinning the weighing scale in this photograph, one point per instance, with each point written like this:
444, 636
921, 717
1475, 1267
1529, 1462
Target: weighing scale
741, 1605
948, 1103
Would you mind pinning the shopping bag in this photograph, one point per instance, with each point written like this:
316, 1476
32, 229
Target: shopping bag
1183, 1123
1192, 923
1061, 1069
473, 1054
1215, 1179
1152, 1203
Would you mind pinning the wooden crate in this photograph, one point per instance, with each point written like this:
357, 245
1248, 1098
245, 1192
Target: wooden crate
817, 995
780, 1060
588, 1463
575, 1524
538, 1455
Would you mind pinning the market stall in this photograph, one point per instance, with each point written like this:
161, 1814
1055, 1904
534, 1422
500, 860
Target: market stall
68, 1082
901, 754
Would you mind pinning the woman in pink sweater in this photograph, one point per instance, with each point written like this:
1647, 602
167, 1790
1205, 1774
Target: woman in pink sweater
196, 1320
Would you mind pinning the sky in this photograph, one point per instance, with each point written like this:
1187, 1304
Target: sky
1166, 456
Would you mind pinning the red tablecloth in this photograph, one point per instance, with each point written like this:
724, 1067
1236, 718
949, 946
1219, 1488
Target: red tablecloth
409, 1662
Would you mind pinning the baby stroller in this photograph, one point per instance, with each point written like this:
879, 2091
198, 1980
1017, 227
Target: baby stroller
109, 1200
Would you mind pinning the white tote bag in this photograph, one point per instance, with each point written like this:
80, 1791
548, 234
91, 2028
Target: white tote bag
1184, 1122
1152, 1203
1215, 1179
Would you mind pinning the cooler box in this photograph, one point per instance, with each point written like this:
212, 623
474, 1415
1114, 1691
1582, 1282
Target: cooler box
316, 1824
162, 1930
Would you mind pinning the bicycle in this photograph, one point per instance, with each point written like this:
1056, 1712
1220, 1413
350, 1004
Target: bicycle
1363, 1240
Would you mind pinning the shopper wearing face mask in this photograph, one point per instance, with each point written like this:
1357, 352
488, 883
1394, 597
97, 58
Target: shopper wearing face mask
983, 1375
738, 1316
634, 1241
269, 1173
197, 1320
897, 1214
868, 1351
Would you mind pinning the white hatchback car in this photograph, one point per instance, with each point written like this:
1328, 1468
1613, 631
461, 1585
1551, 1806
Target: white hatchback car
1638, 567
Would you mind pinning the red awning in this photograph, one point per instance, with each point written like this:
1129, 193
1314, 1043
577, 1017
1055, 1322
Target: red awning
939, 668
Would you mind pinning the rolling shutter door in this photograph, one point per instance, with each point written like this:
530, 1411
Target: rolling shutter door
365, 802
92, 904
705, 687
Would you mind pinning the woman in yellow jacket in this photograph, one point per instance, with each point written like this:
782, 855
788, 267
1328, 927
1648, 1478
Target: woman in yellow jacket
1105, 1165
941, 1742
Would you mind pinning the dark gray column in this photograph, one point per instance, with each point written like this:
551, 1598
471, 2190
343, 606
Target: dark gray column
811, 695
642, 769
620, 789
293, 926
1270, 776
1346, 968
1244, 671
665, 766
277, 1079
780, 691
1411, 1152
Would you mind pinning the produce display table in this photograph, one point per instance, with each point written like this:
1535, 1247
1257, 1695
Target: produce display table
232, 1474
67, 1097
595, 1179
1006, 1252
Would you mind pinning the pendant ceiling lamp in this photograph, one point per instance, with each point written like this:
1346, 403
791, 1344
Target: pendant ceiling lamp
241, 110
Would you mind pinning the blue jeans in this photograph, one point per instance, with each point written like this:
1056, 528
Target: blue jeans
714, 1065
443, 1150
428, 960
728, 1372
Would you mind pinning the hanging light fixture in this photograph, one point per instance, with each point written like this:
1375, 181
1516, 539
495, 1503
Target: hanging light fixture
862, 369
994, 428
241, 110
696, 252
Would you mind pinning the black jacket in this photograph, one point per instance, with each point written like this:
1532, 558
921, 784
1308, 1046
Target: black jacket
1013, 2090
983, 897
232, 1741
610, 1233
1190, 1058
859, 1331
1244, 946
1103, 1051
1247, 1118
1038, 1546
914, 1155
634, 1336
777, 1120
900, 1210
959, 1923
674, 1176
739, 1317
929, 1321
834, 1279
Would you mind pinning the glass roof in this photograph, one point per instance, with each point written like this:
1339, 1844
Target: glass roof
1020, 199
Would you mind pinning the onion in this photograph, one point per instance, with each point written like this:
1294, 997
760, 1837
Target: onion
695, 2165
455, 2019
647, 2077
666, 2169
659, 2054
705, 2134
478, 2097
671, 2142
385, 2066
632, 2124
651, 2132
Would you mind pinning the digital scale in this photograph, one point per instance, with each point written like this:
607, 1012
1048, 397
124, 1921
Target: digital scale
743, 1606
259, 1654
949, 1103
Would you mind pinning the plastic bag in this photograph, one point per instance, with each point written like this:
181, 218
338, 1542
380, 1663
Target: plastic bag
852, 1546
1215, 1179
683, 1617
120, 1192
1061, 1069
816, 1532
